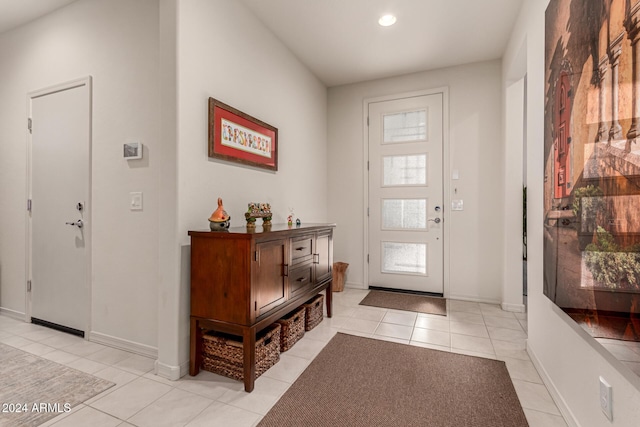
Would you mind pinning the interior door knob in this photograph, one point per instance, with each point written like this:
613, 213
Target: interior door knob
436, 220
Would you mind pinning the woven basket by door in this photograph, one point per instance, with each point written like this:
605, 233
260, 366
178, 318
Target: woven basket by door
314, 311
222, 353
292, 328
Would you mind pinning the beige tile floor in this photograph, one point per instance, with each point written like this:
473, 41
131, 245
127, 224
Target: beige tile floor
141, 398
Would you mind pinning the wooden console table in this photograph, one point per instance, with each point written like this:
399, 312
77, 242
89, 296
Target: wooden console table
243, 280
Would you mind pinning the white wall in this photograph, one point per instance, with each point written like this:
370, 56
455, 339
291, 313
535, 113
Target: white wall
169, 292
116, 42
512, 299
226, 53
569, 359
476, 242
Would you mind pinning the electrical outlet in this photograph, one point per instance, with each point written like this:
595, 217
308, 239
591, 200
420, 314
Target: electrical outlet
605, 398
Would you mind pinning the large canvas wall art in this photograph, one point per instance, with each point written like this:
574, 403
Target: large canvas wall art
592, 164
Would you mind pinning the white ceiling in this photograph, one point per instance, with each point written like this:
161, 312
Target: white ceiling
341, 42
17, 12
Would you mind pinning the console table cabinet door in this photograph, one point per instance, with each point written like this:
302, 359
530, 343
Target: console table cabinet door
220, 279
269, 275
323, 257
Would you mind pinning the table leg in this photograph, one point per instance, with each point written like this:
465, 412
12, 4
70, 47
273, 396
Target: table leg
195, 355
249, 353
329, 297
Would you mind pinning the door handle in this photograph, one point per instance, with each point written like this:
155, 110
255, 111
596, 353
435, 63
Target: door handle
78, 223
436, 220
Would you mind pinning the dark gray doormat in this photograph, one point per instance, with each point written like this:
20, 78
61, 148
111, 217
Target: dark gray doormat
407, 302
364, 382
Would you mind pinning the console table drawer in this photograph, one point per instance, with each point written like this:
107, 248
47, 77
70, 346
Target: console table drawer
300, 278
301, 249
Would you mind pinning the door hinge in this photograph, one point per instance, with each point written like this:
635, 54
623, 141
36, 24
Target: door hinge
255, 306
367, 164
29, 205
257, 257
367, 120
30, 125
367, 211
367, 258
28, 285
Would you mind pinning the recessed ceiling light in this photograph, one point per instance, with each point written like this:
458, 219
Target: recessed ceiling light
387, 20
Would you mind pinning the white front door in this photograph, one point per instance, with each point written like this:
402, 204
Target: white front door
60, 221
406, 193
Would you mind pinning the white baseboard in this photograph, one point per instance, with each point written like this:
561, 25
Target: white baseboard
122, 344
354, 285
514, 308
13, 314
171, 372
553, 391
167, 371
474, 299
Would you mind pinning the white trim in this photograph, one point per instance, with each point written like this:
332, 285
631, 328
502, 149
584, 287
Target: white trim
353, 285
446, 169
122, 344
365, 191
474, 299
72, 84
171, 372
13, 314
553, 391
514, 308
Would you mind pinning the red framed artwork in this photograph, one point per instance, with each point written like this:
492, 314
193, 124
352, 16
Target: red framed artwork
237, 137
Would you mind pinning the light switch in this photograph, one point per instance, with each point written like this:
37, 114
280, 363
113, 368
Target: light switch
457, 205
136, 201
455, 174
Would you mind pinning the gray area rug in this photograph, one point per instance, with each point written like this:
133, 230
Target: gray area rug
407, 302
357, 381
34, 390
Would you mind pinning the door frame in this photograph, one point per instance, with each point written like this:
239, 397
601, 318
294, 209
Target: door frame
446, 173
87, 228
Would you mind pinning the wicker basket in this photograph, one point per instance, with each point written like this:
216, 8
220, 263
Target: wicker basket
314, 311
292, 328
222, 354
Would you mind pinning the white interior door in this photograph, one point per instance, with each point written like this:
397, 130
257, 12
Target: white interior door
60, 180
406, 193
